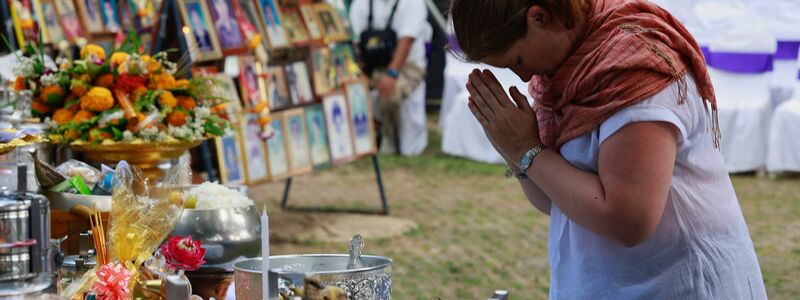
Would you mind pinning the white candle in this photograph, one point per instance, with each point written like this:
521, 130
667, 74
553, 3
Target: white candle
264, 254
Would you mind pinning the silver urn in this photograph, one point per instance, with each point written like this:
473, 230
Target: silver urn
371, 280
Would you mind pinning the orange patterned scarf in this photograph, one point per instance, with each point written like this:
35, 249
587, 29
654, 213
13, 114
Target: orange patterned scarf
630, 50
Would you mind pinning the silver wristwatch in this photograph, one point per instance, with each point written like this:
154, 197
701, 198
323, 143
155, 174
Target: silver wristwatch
525, 161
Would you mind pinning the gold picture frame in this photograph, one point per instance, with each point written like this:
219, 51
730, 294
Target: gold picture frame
330, 23
199, 32
253, 149
229, 152
297, 146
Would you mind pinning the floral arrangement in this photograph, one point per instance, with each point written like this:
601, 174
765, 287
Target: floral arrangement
127, 96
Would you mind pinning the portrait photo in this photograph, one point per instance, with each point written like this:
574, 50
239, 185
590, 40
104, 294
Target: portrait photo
230, 92
89, 12
330, 22
310, 20
249, 11
321, 64
317, 137
294, 27
344, 63
361, 123
340, 138
228, 31
54, 31
299, 83
276, 150
26, 17
253, 86
272, 20
297, 141
277, 90
229, 156
202, 39
255, 153
110, 13
68, 18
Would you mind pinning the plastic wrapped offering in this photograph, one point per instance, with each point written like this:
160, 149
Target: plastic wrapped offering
73, 168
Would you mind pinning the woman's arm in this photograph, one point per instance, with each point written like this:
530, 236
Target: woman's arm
534, 194
623, 203
626, 200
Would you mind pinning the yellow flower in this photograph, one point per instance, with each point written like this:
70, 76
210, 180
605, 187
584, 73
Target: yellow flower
97, 99
62, 116
95, 51
167, 100
181, 83
118, 58
163, 81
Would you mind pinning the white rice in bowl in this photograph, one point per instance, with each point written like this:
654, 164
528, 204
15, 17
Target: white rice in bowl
211, 195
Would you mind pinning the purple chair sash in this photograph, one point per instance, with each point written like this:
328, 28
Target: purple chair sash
750, 63
706, 52
787, 50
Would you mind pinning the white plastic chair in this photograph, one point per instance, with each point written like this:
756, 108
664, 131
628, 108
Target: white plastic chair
784, 144
782, 18
735, 36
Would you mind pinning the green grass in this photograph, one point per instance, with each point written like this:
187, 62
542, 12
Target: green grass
478, 233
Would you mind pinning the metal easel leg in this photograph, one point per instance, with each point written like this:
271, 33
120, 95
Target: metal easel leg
379, 179
285, 199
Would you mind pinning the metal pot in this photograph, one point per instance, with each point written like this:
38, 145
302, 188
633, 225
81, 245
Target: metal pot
373, 281
228, 235
24, 289
14, 221
15, 266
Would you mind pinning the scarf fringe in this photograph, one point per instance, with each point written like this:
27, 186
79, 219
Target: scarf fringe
683, 87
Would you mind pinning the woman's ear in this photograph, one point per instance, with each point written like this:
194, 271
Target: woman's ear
538, 17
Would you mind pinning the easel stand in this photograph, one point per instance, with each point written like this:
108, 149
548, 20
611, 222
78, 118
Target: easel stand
379, 180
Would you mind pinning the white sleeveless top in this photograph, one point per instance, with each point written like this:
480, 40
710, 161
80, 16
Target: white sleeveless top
701, 248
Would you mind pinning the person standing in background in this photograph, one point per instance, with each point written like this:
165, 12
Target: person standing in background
400, 83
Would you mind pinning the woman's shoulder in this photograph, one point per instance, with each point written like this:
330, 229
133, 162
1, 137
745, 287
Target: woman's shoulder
679, 103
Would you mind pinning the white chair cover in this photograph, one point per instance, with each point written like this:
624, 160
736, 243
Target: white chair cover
782, 18
784, 144
743, 97
462, 135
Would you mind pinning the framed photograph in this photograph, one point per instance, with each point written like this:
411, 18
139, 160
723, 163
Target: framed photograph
344, 63
251, 82
363, 129
231, 39
247, 12
69, 20
330, 22
321, 67
277, 90
89, 12
276, 36
340, 138
202, 37
229, 153
26, 15
297, 141
50, 17
255, 153
146, 11
204, 71
317, 137
295, 30
234, 105
111, 18
312, 24
276, 150
298, 80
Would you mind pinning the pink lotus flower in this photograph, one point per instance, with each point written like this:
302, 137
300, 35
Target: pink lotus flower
183, 253
113, 282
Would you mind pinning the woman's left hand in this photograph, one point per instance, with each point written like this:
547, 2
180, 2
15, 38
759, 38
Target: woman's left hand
513, 129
